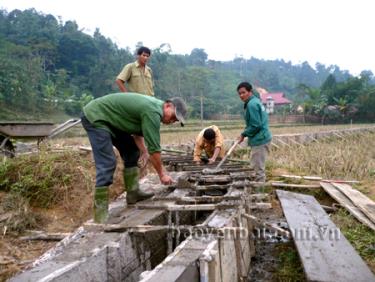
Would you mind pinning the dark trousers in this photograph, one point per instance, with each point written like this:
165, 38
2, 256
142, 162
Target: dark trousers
102, 143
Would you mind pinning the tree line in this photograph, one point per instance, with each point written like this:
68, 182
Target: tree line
47, 65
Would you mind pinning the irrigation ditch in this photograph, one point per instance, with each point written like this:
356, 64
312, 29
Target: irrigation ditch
205, 227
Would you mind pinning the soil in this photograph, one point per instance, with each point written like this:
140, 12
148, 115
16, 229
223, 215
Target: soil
264, 264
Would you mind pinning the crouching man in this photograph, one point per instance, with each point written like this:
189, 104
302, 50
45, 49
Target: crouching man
210, 141
130, 123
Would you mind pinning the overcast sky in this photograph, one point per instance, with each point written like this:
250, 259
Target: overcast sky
326, 31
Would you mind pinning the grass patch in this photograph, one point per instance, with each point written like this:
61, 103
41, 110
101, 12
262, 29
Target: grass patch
290, 267
31, 184
17, 214
16, 114
360, 236
43, 179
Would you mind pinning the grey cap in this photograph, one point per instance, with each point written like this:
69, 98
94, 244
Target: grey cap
180, 108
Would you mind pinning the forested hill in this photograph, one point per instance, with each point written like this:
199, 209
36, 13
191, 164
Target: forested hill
49, 66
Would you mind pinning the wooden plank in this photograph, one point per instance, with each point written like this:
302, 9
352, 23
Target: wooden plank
261, 206
41, 235
211, 187
273, 144
209, 263
324, 251
308, 186
228, 263
317, 178
207, 199
341, 181
282, 142
347, 203
295, 142
172, 207
197, 207
366, 205
302, 177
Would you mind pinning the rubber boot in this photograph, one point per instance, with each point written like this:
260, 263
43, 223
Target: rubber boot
101, 204
131, 180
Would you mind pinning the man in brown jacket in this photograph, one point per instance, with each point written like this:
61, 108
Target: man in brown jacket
137, 76
211, 141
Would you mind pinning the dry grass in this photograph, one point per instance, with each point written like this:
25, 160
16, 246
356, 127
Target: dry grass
349, 158
189, 136
299, 128
33, 183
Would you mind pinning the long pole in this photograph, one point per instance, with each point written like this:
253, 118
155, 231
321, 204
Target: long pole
201, 111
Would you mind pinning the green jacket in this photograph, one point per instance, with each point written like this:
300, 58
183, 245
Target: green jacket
256, 118
130, 112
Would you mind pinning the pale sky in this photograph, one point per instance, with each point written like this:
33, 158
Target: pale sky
331, 32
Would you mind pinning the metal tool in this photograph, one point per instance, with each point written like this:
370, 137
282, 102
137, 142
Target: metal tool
217, 168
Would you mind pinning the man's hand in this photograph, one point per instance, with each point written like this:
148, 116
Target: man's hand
166, 179
240, 139
211, 160
143, 159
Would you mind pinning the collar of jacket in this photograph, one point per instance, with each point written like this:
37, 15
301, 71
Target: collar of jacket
247, 101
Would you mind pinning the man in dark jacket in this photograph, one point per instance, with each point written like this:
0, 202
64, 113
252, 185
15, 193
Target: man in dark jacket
257, 131
127, 122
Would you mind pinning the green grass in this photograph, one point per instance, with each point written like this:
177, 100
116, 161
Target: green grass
42, 179
57, 116
360, 236
30, 184
289, 265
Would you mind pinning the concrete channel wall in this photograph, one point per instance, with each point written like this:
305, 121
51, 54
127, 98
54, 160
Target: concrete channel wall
96, 254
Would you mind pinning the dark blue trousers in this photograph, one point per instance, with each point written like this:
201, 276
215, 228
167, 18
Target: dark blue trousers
102, 143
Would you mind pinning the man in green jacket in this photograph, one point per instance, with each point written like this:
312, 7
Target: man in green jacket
257, 131
127, 122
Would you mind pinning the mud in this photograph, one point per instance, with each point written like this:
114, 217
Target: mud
265, 263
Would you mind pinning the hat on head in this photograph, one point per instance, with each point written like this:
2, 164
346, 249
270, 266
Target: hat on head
180, 108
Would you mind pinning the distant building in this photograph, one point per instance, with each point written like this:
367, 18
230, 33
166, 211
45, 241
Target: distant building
272, 100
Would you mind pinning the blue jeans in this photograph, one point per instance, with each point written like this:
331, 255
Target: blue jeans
102, 143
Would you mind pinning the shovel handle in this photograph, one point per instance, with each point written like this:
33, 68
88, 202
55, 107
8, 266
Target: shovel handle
228, 154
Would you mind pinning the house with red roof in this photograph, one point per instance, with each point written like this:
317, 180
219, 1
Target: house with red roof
272, 100
278, 98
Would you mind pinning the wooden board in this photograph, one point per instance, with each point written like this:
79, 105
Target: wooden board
281, 184
325, 253
347, 203
366, 205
